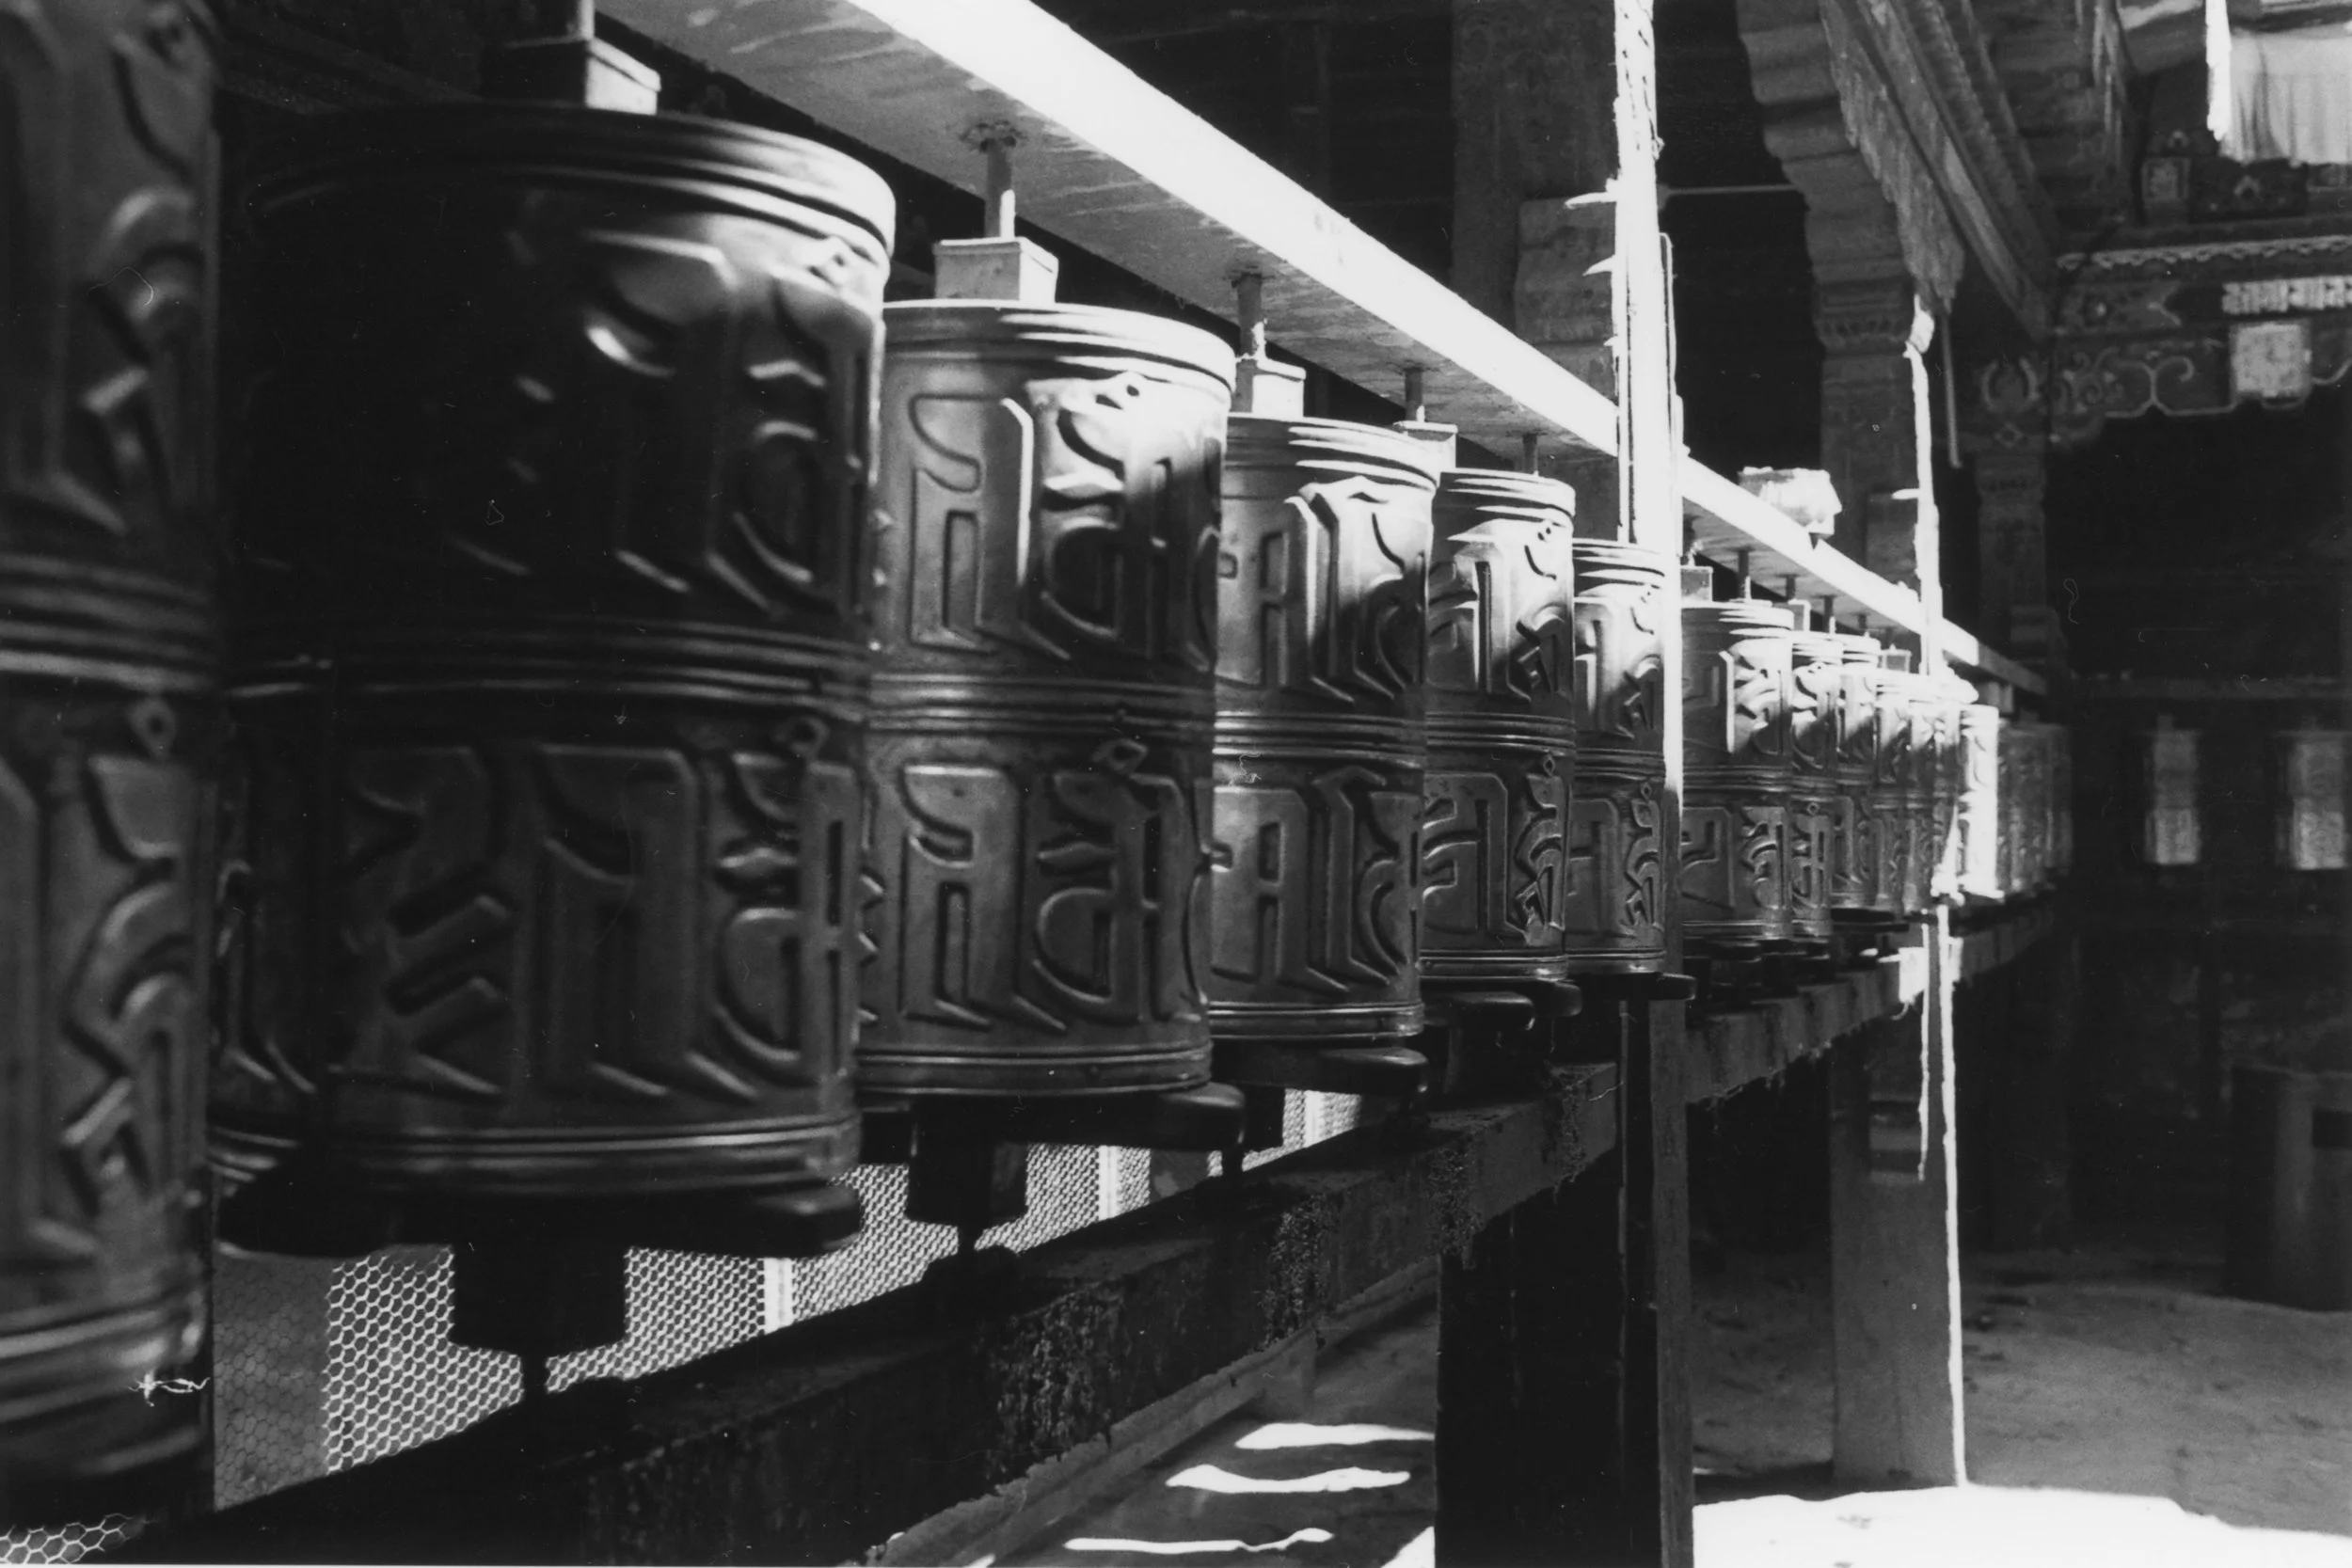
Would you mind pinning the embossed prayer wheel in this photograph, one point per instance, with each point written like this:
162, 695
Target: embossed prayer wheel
2061, 793
2033, 788
1322, 598
1735, 778
1953, 696
2008, 757
554, 656
1614, 912
1978, 830
1816, 669
1046, 533
1502, 726
1898, 892
1856, 852
109, 731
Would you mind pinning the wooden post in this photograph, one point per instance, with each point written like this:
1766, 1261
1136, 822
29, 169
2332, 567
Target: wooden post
1563, 1425
1894, 1212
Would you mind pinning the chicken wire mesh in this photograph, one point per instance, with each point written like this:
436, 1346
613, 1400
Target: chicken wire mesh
67, 1543
322, 1365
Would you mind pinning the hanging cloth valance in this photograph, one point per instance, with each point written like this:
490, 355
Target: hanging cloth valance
2289, 96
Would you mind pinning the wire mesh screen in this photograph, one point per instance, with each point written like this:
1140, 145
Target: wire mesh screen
681, 1305
323, 1364
67, 1543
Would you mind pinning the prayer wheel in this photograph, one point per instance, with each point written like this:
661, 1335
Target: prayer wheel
2033, 788
1953, 696
1614, 912
1891, 788
1045, 537
552, 664
1816, 669
1855, 852
1321, 752
1979, 832
1502, 727
2008, 750
2062, 792
109, 732
1735, 778
1921, 701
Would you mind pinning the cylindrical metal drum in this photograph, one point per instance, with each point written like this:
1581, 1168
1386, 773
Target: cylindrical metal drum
1979, 832
1322, 599
1501, 723
2033, 788
109, 730
1816, 666
2010, 763
1951, 777
1616, 909
1046, 541
1923, 704
553, 654
1891, 786
1734, 772
1855, 852
2062, 788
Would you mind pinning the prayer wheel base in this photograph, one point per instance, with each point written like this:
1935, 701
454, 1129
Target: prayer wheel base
309, 1207
1368, 1069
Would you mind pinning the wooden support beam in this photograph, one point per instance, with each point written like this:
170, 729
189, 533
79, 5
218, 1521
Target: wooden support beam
819, 1442
1894, 1276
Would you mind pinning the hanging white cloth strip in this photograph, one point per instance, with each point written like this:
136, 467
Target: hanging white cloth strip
2220, 95
2289, 96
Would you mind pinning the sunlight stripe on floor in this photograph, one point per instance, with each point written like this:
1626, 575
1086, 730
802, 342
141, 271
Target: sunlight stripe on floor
1308, 1537
1309, 1434
1211, 1477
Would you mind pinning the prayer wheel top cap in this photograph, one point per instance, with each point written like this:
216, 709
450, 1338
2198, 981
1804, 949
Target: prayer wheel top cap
1501, 488
1350, 448
715, 164
1859, 649
1742, 615
1062, 331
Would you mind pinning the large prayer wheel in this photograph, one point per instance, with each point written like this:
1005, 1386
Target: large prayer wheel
1614, 912
1502, 726
1046, 539
1979, 833
1953, 696
1856, 854
553, 657
1816, 671
2009, 757
1891, 789
1735, 778
110, 728
1925, 704
1320, 751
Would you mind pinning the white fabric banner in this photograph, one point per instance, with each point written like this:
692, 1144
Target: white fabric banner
2290, 96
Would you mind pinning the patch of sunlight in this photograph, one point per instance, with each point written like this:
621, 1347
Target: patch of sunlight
1308, 1537
1211, 1477
1419, 1552
1966, 1527
1309, 1434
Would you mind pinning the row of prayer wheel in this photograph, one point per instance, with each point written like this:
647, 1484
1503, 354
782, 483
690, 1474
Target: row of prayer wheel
1826, 782
668, 693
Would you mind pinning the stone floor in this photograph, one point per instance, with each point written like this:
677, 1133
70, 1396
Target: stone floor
2119, 1410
